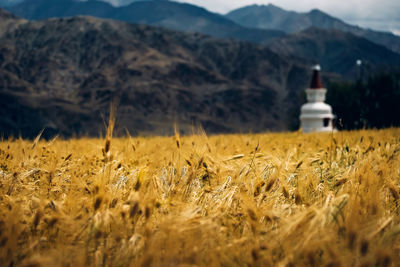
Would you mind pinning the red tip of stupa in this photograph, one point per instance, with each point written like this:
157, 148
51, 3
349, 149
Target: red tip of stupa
316, 79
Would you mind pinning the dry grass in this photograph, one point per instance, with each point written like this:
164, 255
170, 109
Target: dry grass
233, 200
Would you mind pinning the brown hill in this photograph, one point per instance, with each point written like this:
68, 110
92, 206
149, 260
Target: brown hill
8, 21
62, 73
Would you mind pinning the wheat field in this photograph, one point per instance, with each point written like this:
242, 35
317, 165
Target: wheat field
287, 199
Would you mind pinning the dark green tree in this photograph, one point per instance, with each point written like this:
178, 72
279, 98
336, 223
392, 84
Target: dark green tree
373, 102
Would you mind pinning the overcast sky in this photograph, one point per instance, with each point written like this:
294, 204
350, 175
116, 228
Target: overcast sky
377, 14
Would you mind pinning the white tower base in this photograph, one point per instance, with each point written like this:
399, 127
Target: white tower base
316, 117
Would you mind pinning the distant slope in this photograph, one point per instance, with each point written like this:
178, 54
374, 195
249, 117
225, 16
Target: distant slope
8, 21
190, 18
62, 73
7, 3
273, 17
43, 9
336, 51
172, 15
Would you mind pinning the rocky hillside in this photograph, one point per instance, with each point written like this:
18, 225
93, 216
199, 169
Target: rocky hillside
169, 14
275, 18
62, 73
8, 21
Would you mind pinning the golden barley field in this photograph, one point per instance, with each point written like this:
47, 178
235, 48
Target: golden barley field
287, 199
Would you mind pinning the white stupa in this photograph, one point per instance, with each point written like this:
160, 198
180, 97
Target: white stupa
316, 116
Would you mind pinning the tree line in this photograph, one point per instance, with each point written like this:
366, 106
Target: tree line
369, 102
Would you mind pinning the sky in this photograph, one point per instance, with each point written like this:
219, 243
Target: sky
374, 14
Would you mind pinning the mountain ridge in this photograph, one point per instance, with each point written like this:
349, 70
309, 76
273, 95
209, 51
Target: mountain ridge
273, 17
8, 21
255, 23
169, 14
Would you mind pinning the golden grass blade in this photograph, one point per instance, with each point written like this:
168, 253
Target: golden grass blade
36, 141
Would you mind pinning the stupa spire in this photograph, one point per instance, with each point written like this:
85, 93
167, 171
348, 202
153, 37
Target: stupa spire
316, 78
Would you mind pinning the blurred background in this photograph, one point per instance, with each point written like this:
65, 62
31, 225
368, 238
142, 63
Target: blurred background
225, 66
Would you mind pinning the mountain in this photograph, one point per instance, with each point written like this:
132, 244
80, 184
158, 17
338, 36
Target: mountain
172, 15
335, 50
61, 74
125, 2
274, 18
42, 9
7, 3
8, 21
